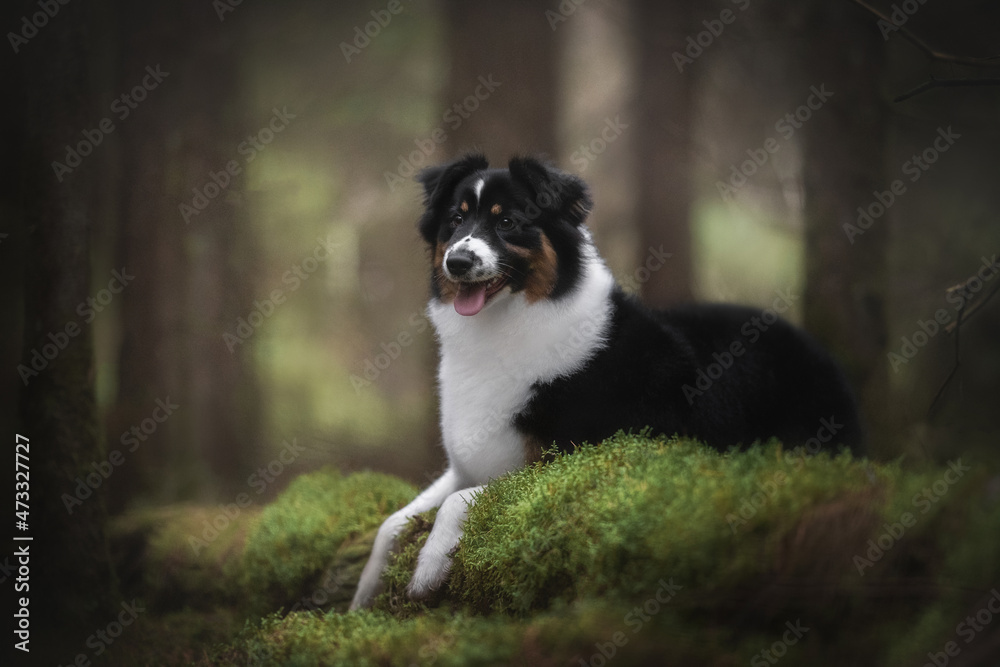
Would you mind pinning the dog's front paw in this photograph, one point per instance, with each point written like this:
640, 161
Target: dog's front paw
364, 596
432, 571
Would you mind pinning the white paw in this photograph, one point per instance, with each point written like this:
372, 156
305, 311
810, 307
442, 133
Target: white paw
370, 584
365, 595
431, 573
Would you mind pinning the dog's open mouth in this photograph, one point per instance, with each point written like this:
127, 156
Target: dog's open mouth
472, 297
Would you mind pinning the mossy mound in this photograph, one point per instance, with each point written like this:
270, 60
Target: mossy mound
304, 550
183, 556
590, 631
653, 551
309, 546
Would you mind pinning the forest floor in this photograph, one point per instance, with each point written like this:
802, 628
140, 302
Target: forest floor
640, 551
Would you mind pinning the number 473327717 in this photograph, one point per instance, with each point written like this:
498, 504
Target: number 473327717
21, 479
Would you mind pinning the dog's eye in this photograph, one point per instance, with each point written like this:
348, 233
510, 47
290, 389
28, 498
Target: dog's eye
505, 224
456, 221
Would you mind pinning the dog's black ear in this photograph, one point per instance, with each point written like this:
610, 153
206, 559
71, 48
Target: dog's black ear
553, 189
439, 184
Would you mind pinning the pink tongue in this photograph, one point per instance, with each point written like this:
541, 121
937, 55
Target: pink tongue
470, 299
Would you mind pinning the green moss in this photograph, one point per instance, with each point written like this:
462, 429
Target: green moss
615, 519
306, 540
372, 638
181, 556
660, 551
185, 637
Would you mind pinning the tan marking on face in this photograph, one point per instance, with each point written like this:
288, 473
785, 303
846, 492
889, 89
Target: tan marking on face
517, 250
447, 288
464, 207
542, 272
496, 209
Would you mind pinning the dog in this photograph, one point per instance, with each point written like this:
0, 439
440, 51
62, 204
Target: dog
539, 347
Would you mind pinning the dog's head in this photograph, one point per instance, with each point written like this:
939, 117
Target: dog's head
494, 233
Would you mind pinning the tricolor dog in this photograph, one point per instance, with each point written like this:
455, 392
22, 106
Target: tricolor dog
539, 346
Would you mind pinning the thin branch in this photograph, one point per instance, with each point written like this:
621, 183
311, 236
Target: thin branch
963, 316
931, 53
976, 305
958, 361
946, 83
935, 55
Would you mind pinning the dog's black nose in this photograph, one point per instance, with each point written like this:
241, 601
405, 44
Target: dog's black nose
459, 262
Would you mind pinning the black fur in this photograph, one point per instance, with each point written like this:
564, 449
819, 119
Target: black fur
782, 384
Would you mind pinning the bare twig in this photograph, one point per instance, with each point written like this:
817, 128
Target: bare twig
958, 361
962, 289
935, 55
964, 314
931, 52
946, 83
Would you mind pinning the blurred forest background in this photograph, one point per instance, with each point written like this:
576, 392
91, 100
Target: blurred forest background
255, 193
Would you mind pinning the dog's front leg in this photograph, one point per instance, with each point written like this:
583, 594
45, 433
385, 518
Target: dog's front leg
431, 497
434, 561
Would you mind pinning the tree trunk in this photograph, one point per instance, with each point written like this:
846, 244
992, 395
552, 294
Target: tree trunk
844, 156
501, 92
71, 585
663, 153
193, 276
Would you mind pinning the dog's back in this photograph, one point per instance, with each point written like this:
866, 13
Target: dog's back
727, 375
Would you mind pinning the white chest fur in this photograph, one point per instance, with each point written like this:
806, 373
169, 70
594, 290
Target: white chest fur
490, 361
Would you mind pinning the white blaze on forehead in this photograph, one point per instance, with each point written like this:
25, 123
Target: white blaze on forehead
478, 188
